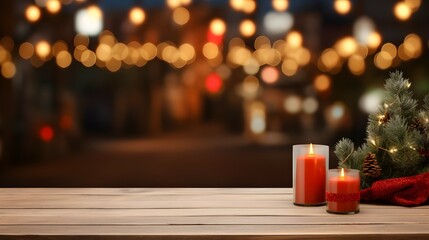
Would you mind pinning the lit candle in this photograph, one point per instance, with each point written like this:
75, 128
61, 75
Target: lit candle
343, 191
310, 174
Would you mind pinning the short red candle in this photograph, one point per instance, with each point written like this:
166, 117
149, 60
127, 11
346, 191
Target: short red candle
342, 191
310, 179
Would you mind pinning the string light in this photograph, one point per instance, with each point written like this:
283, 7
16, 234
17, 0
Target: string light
393, 150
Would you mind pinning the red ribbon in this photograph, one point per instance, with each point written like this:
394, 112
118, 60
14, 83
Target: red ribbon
342, 197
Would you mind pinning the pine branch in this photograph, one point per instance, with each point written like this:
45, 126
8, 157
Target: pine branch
397, 134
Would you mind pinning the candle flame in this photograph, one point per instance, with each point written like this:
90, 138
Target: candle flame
342, 172
311, 148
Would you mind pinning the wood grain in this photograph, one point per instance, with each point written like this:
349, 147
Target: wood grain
193, 213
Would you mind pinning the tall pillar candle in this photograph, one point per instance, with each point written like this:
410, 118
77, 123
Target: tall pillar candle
343, 191
310, 163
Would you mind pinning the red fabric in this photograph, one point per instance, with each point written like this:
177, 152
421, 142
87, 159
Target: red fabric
404, 191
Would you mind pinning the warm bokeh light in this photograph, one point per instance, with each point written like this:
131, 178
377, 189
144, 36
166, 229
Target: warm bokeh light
148, 51
213, 83
310, 105
8, 69
173, 3
187, 52
249, 7
43, 49
292, 104
262, 42
217, 26
251, 66
181, 16
104, 52
402, 11
289, 67
137, 15
322, 82
250, 86
346, 46
32, 13
63, 59
280, 5
270, 74
383, 60
257, 118
356, 64
413, 4
81, 39
185, 2
26, 50
210, 50
53, 6
294, 39
77, 53
89, 21
342, 6
330, 58
119, 51
113, 65
247, 28
374, 40
59, 46
413, 45
237, 5
390, 49
88, 58
302, 56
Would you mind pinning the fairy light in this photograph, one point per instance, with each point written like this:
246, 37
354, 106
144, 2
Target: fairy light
393, 150
380, 119
373, 142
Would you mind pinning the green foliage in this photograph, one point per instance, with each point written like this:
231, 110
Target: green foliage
393, 135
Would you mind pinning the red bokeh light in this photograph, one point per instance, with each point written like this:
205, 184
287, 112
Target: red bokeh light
216, 39
46, 133
213, 83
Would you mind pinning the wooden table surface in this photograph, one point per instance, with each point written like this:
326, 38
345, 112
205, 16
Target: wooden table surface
193, 213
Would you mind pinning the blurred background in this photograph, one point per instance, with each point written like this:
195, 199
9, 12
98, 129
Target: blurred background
193, 93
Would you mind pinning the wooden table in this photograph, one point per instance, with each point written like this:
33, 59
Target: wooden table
198, 213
